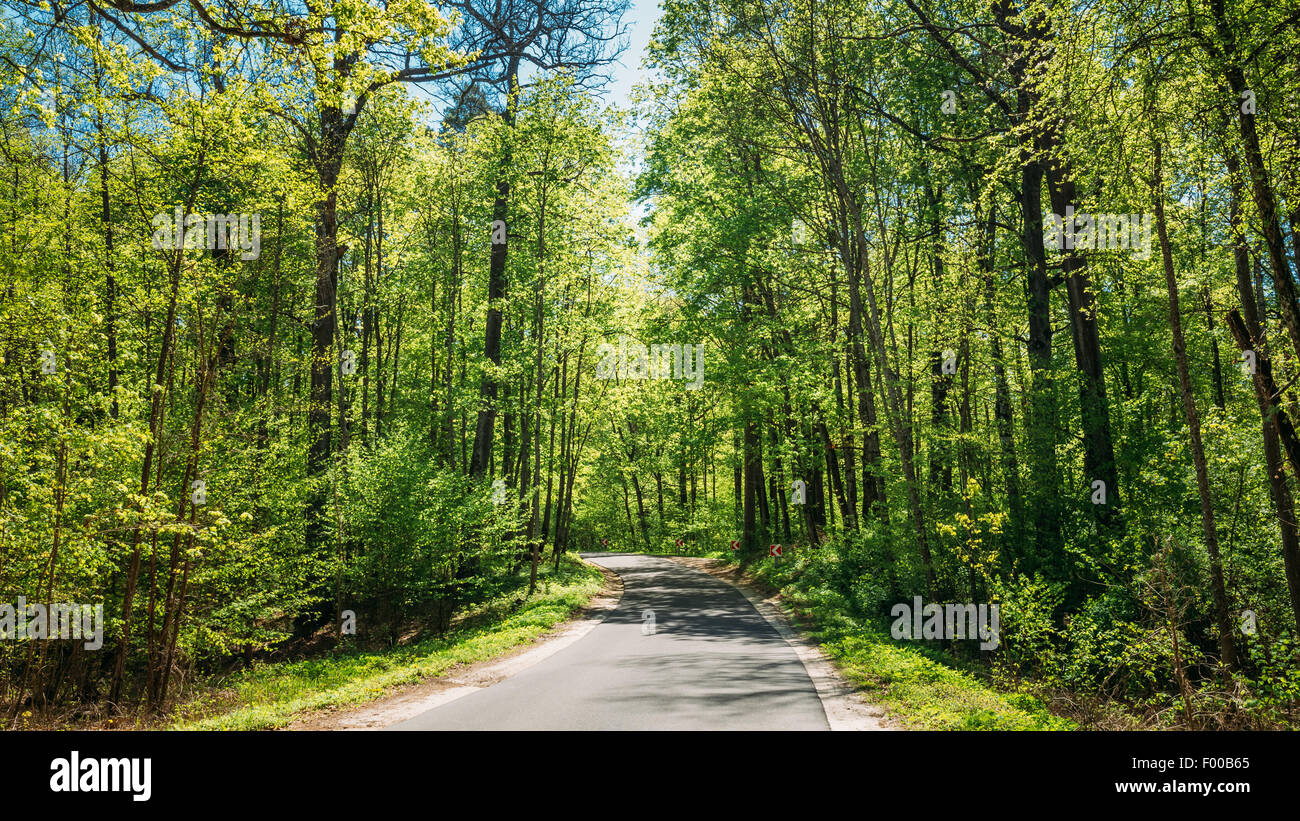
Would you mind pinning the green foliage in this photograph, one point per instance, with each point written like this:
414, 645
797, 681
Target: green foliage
857, 263
1027, 609
328, 487
408, 526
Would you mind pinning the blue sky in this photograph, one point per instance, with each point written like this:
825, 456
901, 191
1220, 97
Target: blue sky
641, 17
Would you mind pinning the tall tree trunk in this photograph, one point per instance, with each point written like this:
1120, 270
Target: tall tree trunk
1262, 190
753, 484
1001, 390
1272, 419
1217, 590
484, 425
1094, 411
176, 261
323, 358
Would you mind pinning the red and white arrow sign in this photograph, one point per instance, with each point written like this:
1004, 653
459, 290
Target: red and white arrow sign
735, 545
774, 551
679, 542
604, 542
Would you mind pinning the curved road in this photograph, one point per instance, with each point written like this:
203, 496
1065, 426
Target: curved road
712, 663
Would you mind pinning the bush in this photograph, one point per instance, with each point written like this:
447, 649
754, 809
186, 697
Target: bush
412, 533
1028, 632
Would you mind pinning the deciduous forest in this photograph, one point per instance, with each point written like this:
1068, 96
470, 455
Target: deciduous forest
331, 327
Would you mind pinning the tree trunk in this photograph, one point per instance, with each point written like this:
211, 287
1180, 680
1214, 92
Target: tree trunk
1217, 589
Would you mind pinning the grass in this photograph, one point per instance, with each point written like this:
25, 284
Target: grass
927, 694
920, 687
272, 695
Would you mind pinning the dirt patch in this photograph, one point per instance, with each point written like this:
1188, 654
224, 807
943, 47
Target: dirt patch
845, 707
410, 700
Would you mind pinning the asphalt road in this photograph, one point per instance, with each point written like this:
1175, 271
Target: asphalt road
712, 663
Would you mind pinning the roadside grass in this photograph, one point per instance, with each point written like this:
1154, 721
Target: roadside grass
271, 695
922, 687
928, 694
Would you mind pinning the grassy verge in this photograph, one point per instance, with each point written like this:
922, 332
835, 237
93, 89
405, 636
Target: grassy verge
272, 695
920, 686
